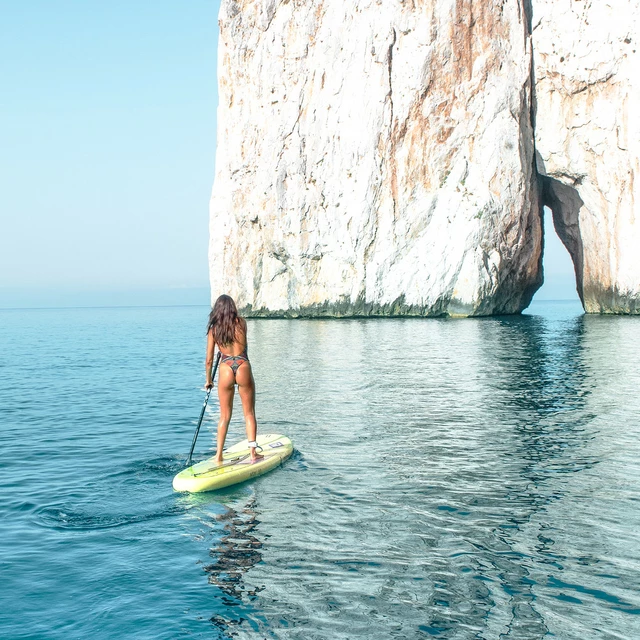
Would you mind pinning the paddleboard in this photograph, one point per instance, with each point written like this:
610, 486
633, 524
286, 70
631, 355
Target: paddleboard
236, 466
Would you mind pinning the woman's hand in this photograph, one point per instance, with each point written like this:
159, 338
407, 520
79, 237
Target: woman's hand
208, 385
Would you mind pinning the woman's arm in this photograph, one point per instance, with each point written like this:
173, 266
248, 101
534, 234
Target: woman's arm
243, 329
211, 347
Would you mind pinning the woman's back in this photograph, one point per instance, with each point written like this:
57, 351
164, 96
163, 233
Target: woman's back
239, 345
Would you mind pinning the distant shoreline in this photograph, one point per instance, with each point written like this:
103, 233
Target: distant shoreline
70, 307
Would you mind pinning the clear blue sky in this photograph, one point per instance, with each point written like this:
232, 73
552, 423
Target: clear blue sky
559, 275
108, 142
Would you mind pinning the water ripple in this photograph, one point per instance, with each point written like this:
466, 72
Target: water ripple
65, 518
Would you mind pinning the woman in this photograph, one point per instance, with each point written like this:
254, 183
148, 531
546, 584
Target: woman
228, 331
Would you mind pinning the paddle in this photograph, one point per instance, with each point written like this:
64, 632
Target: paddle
204, 406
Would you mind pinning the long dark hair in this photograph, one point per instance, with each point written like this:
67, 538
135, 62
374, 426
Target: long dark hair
224, 321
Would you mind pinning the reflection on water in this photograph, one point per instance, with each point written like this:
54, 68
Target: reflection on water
235, 553
456, 479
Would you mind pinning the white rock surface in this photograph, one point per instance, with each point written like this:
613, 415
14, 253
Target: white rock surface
588, 141
375, 157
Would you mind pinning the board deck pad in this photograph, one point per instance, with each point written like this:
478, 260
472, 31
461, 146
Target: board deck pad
236, 465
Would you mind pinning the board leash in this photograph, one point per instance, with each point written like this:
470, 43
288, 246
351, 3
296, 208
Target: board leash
228, 463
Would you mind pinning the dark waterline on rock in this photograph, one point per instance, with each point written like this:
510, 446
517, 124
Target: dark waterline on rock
453, 479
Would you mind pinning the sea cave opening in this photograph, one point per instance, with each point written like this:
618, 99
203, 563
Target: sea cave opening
558, 268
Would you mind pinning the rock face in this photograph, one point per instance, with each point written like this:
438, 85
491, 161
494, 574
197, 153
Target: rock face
588, 141
375, 158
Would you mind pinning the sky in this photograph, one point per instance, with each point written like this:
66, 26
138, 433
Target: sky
559, 274
108, 146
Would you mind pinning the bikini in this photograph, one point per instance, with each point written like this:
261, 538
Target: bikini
235, 362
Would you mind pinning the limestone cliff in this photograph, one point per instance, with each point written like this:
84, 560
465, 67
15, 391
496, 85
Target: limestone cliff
588, 141
375, 157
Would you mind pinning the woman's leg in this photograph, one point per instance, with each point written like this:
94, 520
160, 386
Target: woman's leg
225, 395
247, 389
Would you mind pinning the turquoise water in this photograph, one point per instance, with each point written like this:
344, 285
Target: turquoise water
453, 479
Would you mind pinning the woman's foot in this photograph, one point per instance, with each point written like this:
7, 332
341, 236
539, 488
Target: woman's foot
254, 456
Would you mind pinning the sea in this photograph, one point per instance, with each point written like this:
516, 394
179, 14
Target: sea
452, 478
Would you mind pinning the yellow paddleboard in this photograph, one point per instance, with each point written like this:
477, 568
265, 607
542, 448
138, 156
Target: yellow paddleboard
236, 466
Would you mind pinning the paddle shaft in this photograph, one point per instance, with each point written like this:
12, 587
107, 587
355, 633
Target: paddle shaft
204, 406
